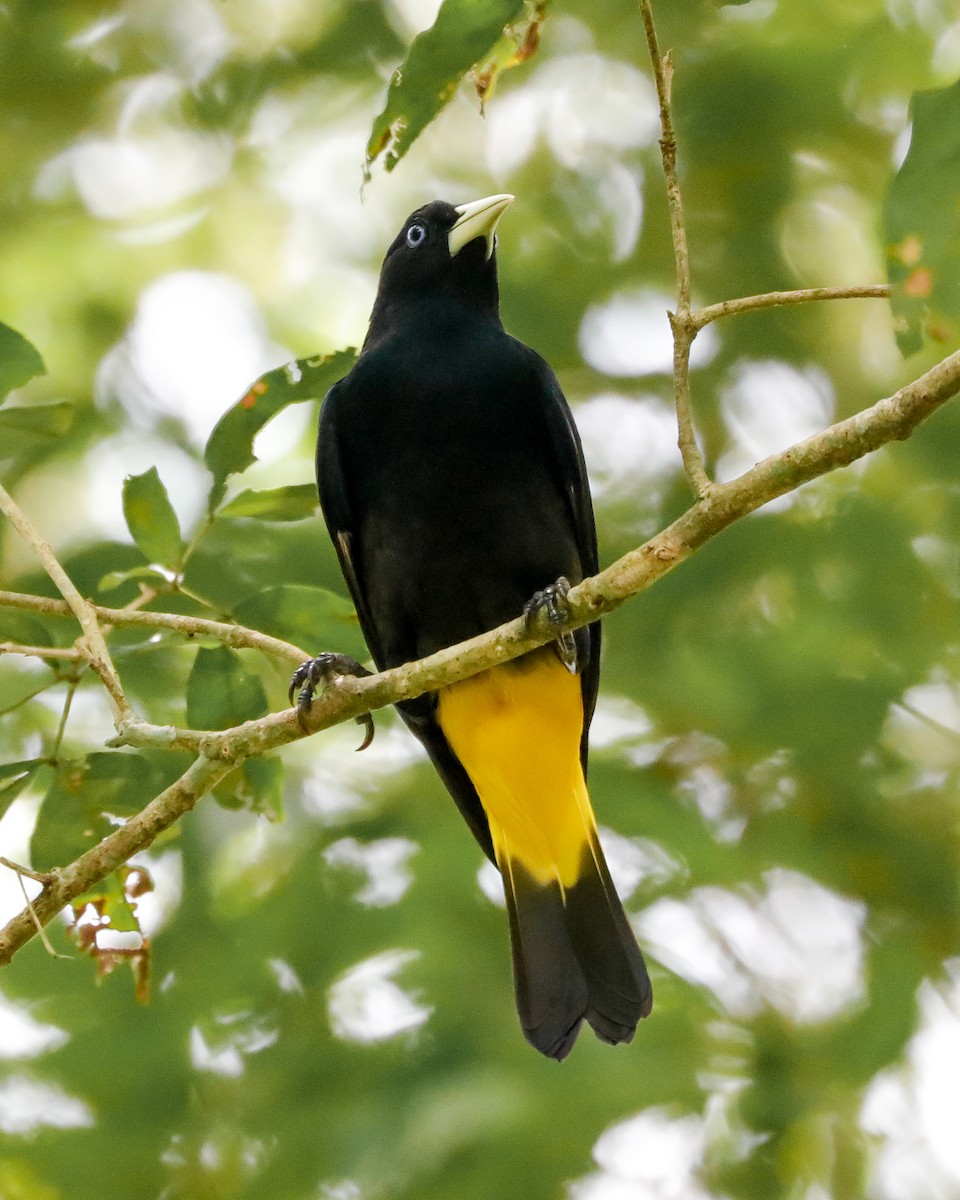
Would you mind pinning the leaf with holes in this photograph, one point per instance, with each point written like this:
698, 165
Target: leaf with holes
230, 446
922, 224
465, 33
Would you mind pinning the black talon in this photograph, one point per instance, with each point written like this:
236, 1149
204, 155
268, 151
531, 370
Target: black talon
552, 602
314, 674
368, 730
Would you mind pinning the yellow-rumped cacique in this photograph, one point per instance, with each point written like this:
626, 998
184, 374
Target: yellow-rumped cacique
453, 485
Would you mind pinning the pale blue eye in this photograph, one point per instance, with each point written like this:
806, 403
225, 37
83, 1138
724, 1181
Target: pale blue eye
415, 235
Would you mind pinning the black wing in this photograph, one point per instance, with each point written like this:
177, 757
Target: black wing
418, 714
567, 454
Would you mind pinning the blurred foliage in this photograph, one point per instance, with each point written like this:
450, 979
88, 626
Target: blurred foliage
781, 713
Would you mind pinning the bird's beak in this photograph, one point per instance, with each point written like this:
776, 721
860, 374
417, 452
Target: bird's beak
477, 219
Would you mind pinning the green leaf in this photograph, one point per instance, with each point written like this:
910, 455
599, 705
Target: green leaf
20, 361
922, 224
14, 777
150, 518
25, 628
65, 826
83, 793
464, 33
113, 579
221, 692
17, 768
293, 503
230, 446
257, 786
311, 617
26, 427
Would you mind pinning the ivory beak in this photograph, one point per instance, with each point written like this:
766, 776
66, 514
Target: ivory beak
478, 219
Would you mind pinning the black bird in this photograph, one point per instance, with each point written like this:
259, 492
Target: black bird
453, 486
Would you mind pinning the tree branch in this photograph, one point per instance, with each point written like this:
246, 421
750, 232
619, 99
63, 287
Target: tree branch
891, 419
92, 645
727, 308
687, 322
69, 653
684, 330
237, 636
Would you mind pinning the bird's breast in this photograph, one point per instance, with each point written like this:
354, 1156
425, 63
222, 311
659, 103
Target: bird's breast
459, 514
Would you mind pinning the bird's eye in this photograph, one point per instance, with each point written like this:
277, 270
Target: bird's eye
415, 235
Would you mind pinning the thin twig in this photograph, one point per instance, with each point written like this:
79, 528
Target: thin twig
64, 717
237, 636
726, 308
918, 714
71, 653
684, 331
663, 78
43, 877
92, 644
41, 932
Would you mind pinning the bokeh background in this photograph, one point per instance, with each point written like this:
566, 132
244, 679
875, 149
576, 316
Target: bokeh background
777, 745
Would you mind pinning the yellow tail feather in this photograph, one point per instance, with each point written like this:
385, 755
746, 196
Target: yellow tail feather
516, 730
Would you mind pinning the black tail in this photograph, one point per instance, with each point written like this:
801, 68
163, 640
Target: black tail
574, 957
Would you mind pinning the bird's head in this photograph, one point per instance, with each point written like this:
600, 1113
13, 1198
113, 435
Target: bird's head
443, 256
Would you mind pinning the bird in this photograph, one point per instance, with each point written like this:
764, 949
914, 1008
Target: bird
452, 483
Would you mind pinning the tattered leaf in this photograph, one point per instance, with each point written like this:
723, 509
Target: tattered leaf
464, 34
221, 692
20, 361
25, 427
293, 503
111, 905
110, 899
311, 617
230, 445
150, 518
519, 43
922, 224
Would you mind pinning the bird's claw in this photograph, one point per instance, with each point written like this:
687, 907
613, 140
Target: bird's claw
314, 674
553, 604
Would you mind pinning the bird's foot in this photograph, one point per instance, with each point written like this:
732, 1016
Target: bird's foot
315, 674
553, 603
